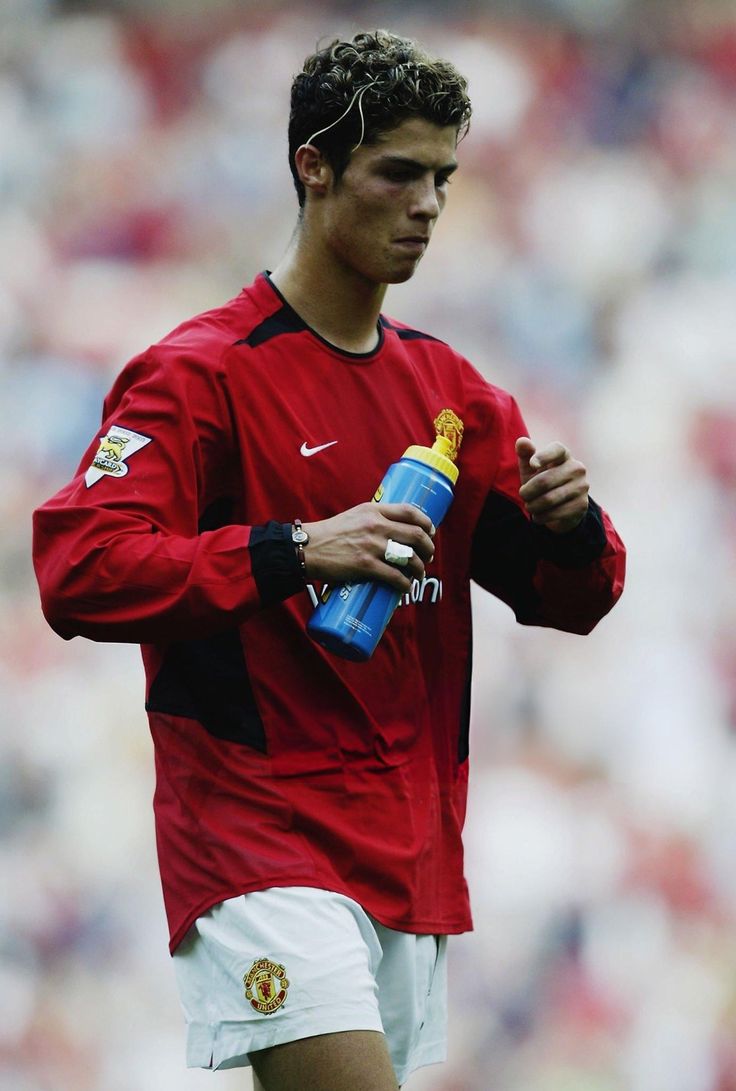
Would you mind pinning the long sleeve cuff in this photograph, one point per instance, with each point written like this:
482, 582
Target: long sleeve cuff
578, 547
274, 562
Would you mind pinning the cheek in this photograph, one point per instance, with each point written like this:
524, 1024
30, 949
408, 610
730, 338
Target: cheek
362, 226
367, 227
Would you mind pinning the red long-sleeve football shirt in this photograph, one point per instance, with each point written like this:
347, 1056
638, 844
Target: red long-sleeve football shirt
277, 763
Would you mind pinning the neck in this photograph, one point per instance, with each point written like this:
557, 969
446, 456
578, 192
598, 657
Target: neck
332, 298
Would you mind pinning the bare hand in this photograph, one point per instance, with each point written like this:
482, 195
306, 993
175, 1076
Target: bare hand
554, 485
351, 546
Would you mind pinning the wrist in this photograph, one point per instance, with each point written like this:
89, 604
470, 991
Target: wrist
577, 547
300, 538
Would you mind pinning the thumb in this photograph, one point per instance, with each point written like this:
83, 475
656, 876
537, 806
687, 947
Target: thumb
526, 452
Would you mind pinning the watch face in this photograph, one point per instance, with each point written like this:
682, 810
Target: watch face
299, 537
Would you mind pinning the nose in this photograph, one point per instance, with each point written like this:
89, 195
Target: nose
426, 203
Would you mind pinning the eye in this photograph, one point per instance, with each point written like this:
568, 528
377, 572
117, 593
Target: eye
399, 174
443, 180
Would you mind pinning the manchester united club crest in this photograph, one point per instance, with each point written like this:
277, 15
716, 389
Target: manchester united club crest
449, 425
266, 986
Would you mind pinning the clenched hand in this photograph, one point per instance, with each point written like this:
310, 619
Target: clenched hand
351, 545
554, 485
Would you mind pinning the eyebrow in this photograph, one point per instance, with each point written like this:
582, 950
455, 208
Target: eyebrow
405, 161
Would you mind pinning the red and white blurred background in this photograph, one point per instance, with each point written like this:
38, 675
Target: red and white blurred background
587, 261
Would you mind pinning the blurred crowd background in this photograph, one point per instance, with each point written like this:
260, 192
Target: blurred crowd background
587, 262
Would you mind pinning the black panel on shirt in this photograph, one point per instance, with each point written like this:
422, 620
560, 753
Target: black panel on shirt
285, 320
218, 514
463, 743
407, 335
207, 681
504, 556
507, 547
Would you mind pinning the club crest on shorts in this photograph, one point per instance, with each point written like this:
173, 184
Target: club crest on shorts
266, 986
115, 447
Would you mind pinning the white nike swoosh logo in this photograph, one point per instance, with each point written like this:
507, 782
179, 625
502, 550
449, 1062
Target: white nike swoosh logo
309, 451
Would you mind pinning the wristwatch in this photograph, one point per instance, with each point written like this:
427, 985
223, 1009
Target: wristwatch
300, 538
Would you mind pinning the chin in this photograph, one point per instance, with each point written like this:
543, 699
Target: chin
400, 276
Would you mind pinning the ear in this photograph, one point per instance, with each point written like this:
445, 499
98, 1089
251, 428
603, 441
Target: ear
314, 171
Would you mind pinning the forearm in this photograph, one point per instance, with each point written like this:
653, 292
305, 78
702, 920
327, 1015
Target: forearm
579, 580
112, 578
562, 581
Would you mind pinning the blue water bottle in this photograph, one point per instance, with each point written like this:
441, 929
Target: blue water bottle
351, 618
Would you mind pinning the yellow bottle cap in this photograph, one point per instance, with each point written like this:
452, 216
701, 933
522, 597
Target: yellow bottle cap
436, 457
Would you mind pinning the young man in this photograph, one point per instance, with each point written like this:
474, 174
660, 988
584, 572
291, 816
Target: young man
309, 809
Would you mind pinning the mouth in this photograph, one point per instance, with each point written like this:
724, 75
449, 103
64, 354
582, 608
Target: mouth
414, 243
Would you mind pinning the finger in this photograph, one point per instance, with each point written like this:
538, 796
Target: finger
564, 518
529, 464
552, 478
524, 448
551, 504
407, 513
412, 536
525, 452
554, 486
403, 556
554, 454
399, 578
414, 570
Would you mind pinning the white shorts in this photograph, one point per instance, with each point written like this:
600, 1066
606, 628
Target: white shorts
292, 962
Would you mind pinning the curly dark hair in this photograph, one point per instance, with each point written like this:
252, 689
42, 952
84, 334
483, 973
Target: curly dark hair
356, 90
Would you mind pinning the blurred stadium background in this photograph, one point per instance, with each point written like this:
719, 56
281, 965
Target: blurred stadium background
586, 261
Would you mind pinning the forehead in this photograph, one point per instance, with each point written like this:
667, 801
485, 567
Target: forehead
418, 139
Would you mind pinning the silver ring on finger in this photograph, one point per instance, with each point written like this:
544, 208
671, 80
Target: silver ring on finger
397, 553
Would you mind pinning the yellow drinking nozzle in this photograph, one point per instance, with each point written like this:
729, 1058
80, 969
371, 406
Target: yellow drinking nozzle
443, 446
